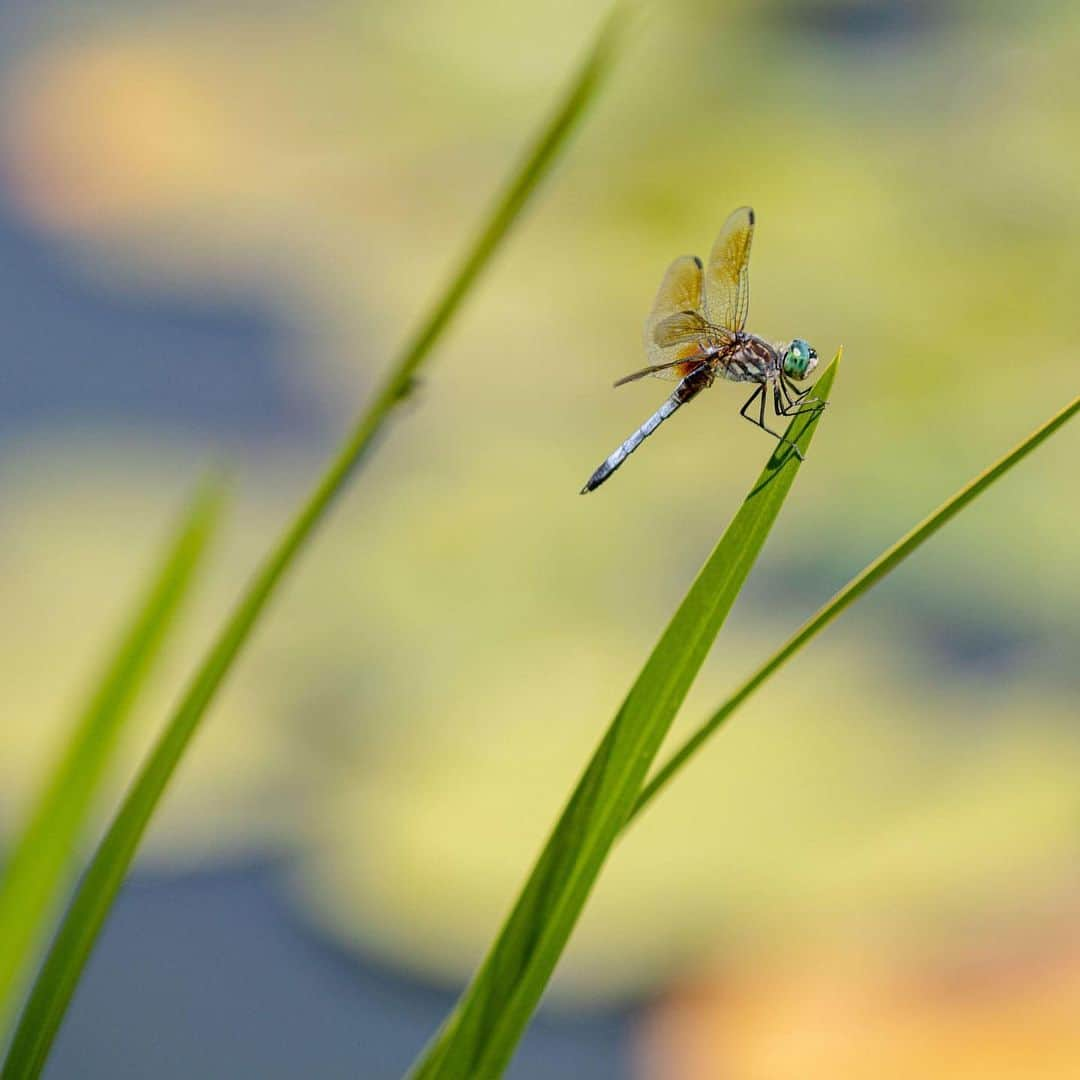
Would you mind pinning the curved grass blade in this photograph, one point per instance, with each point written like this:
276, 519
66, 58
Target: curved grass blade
82, 923
860, 584
479, 1037
42, 861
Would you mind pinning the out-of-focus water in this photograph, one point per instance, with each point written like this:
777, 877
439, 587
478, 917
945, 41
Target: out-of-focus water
210, 974
215, 228
76, 353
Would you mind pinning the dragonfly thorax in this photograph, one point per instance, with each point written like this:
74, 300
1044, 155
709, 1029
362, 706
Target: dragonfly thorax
748, 358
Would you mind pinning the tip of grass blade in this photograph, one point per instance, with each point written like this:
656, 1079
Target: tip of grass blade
43, 856
799, 433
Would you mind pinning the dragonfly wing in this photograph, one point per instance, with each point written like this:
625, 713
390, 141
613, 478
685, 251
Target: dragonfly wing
676, 333
673, 369
682, 328
680, 291
727, 279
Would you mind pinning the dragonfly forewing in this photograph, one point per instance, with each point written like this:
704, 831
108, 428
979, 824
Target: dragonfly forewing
727, 279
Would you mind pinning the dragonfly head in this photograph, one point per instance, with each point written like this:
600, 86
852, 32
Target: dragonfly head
800, 359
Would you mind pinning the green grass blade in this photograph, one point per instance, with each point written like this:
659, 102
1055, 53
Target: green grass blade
479, 1037
79, 930
860, 584
42, 861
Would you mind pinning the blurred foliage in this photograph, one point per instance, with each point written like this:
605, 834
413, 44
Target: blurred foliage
43, 857
916, 200
73, 558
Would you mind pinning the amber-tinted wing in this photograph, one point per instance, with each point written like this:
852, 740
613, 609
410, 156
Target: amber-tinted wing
727, 279
675, 331
686, 360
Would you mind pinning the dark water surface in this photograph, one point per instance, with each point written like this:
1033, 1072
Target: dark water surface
209, 975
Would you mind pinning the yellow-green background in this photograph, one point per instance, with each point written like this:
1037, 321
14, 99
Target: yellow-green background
425, 691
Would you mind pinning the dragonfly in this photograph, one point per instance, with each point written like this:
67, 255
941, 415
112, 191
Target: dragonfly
696, 333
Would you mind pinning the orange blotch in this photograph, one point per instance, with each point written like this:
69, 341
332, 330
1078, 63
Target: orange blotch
107, 134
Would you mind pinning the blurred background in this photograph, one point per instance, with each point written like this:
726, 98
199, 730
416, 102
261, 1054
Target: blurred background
218, 220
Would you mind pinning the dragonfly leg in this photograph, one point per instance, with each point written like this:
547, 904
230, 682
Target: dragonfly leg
791, 395
794, 389
760, 420
797, 401
786, 410
779, 406
799, 408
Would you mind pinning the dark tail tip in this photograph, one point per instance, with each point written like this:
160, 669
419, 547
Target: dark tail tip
596, 479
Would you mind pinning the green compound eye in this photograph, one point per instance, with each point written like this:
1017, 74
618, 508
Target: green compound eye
799, 359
